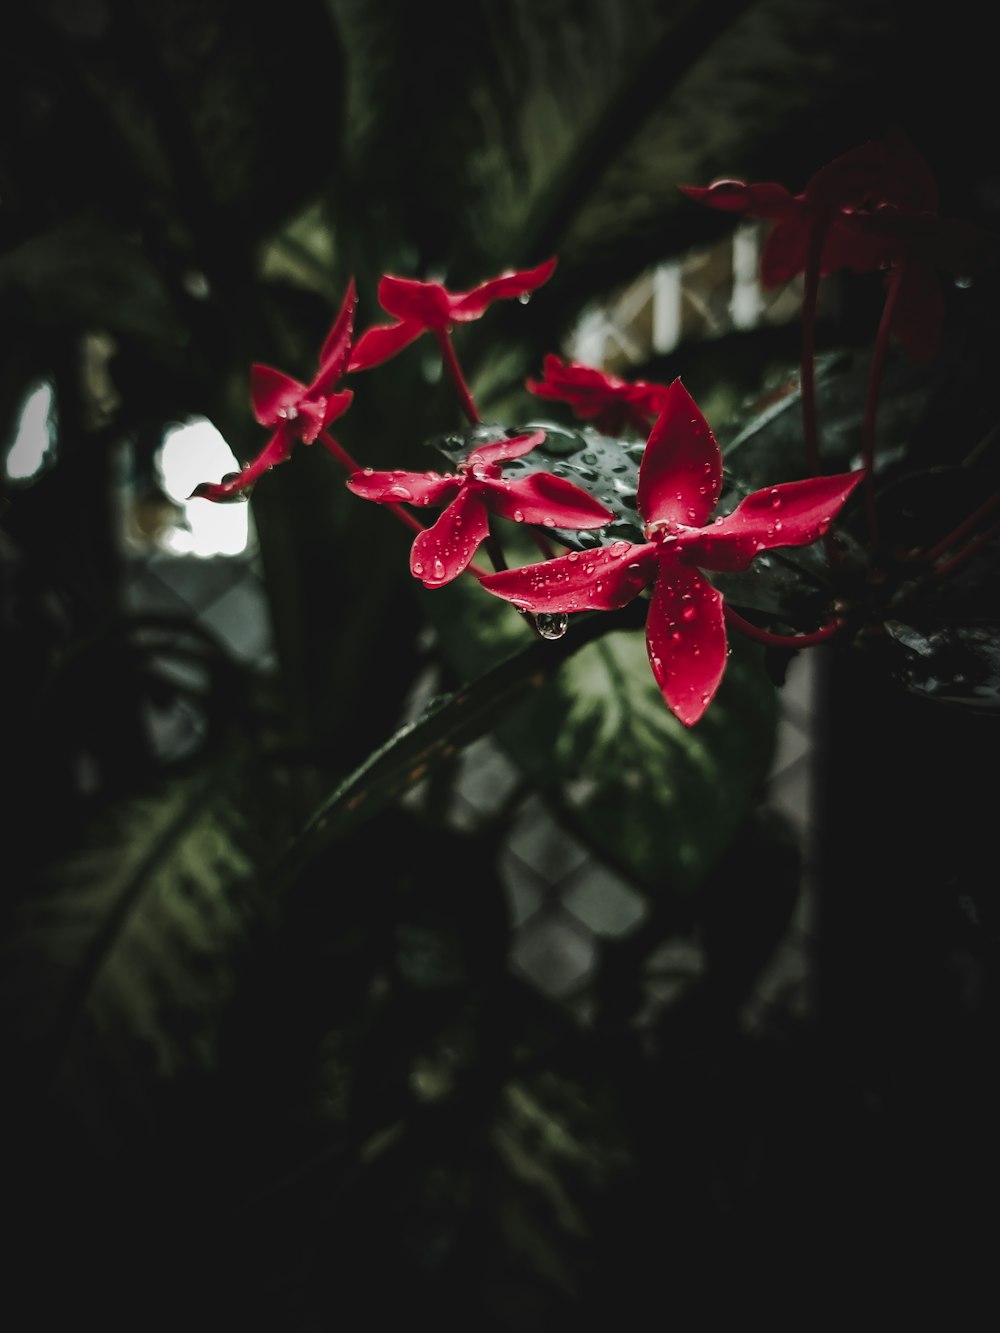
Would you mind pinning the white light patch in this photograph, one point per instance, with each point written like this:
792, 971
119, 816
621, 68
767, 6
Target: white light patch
191, 454
34, 434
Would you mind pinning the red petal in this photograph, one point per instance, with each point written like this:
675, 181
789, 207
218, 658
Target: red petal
470, 305
500, 450
336, 349
792, 514
336, 405
423, 303
277, 450
766, 200
381, 342
601, 580
400, 487
443, 551
784, 252
546, 499
685, 639
918, 315
272, 393
680, 475
855, 242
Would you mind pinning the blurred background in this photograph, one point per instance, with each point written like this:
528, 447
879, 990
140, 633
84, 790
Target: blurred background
598, 1017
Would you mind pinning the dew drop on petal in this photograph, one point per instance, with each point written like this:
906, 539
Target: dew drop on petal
574, 556
438, 569
518, 516
399, 493
689, 613
369, 471
418, 567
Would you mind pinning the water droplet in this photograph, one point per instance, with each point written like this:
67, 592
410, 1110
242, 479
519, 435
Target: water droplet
524, 298
417, 567
438, 569
689, 613
777, 525
551, 626
775, 498
518, 516
399, 493
549, 522
574, 556
369, 471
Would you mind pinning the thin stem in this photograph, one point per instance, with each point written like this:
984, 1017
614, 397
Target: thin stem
807, 374
339, 452
455, 375
872, 397
781, 640
966, 553
967, 525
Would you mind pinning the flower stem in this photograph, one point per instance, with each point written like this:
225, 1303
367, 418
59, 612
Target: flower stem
339, 452
752, 631
807, 374
967, 525
872, 397
455, 375
966, 553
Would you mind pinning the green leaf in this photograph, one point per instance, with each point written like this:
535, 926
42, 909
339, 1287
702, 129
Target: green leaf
659, 801
126, 950
447, 724
82, 275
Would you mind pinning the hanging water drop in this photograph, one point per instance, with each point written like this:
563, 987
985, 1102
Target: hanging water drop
551, 625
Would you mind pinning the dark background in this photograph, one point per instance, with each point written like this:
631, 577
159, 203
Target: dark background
301, 1103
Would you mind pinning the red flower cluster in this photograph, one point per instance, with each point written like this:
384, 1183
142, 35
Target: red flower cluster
613, 404
874, 207
428, 307
295, 411
680, 478
442, 552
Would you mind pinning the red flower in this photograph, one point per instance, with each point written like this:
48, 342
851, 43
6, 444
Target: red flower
298, 411
419, 307
612, 403
440, 553
874, 207
879, 172
680, 478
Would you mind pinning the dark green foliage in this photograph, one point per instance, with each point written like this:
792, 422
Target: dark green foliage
270, 1064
